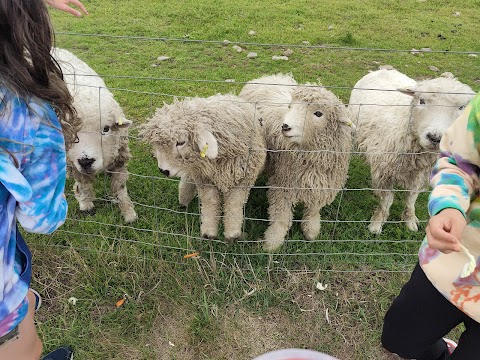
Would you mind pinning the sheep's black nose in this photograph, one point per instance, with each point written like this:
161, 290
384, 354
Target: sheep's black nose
86, 163
165, 172
434, 138
285, 127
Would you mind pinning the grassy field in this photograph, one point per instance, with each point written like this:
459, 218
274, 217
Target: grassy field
236, 302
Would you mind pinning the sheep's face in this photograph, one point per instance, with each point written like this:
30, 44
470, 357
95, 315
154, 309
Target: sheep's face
303, 121
176, 149
172, 154
309, 114
97, 144
432, 117
434, 112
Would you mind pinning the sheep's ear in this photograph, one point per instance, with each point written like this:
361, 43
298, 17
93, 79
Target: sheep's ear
408, 90
345, 119
207, 144
124, 123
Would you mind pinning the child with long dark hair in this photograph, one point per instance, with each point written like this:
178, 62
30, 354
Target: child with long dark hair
37, 125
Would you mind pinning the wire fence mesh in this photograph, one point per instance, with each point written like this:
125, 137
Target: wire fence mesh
167, 232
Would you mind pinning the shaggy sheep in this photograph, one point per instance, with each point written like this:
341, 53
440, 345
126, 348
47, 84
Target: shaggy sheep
217, 144
103, 139
309, 139
400, 132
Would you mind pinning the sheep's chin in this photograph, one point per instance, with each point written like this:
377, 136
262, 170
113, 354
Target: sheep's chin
427, 145
89, 172
293, 139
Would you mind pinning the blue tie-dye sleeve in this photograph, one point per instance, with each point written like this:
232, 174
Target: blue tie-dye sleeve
45, 171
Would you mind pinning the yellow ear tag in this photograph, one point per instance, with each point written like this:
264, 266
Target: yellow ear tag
204, 151
120, 122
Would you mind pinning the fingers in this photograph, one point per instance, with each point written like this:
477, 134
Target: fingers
62, 5
80, 5
445, 243
68, 9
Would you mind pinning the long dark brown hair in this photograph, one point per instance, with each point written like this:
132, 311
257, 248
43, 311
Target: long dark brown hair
26, 64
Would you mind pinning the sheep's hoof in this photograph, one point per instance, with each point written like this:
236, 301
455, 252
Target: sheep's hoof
130, 217
271, 246
234, 238
90, 212
209, 237
412, 225
310, 235
375, 227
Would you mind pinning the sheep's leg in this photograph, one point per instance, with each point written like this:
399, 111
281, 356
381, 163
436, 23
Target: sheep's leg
119, 192
311, 222
234, 201
409, 216
210, 210
280, 217
187, 190
84, 193
381, 213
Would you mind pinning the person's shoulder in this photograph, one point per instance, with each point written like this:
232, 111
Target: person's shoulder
44, 112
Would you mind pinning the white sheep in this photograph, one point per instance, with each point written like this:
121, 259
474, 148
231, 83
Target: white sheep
217, 144
309, 137
102, 144
400, 132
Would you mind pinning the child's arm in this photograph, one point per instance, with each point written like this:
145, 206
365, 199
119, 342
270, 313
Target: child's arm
455, 180
45, 171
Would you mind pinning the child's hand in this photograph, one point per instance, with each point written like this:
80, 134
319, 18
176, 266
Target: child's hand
62, 5
444, 230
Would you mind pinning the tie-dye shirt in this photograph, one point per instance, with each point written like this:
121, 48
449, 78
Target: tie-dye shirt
31, 192
455, 182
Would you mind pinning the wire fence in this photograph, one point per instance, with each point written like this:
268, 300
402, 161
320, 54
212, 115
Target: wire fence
167, 232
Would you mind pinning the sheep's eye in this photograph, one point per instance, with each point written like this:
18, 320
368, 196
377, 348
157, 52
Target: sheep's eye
106, 128
318, 113
461, 107
180, 143
422, 101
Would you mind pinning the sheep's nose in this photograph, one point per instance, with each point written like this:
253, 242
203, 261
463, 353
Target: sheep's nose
434, 138
165, 172
286, 128
86, 163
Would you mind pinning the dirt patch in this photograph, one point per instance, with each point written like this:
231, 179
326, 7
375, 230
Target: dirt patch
343, 320
170, 334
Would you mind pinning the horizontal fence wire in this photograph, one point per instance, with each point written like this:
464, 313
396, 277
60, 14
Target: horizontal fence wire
226, 42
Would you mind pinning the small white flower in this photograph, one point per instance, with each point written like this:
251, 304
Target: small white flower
320, 286
73, 301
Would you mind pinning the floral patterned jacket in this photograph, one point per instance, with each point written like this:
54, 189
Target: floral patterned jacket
455, 185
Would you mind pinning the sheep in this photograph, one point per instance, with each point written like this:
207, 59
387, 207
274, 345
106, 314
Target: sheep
215, 143
309, 137
102, 144
400, 131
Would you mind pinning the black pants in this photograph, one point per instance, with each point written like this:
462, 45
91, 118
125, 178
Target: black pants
418, 319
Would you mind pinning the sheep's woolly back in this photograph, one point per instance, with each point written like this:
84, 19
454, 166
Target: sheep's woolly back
321, 161
271, 95
241, 147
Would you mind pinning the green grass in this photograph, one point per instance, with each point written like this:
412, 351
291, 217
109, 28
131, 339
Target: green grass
234, 301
